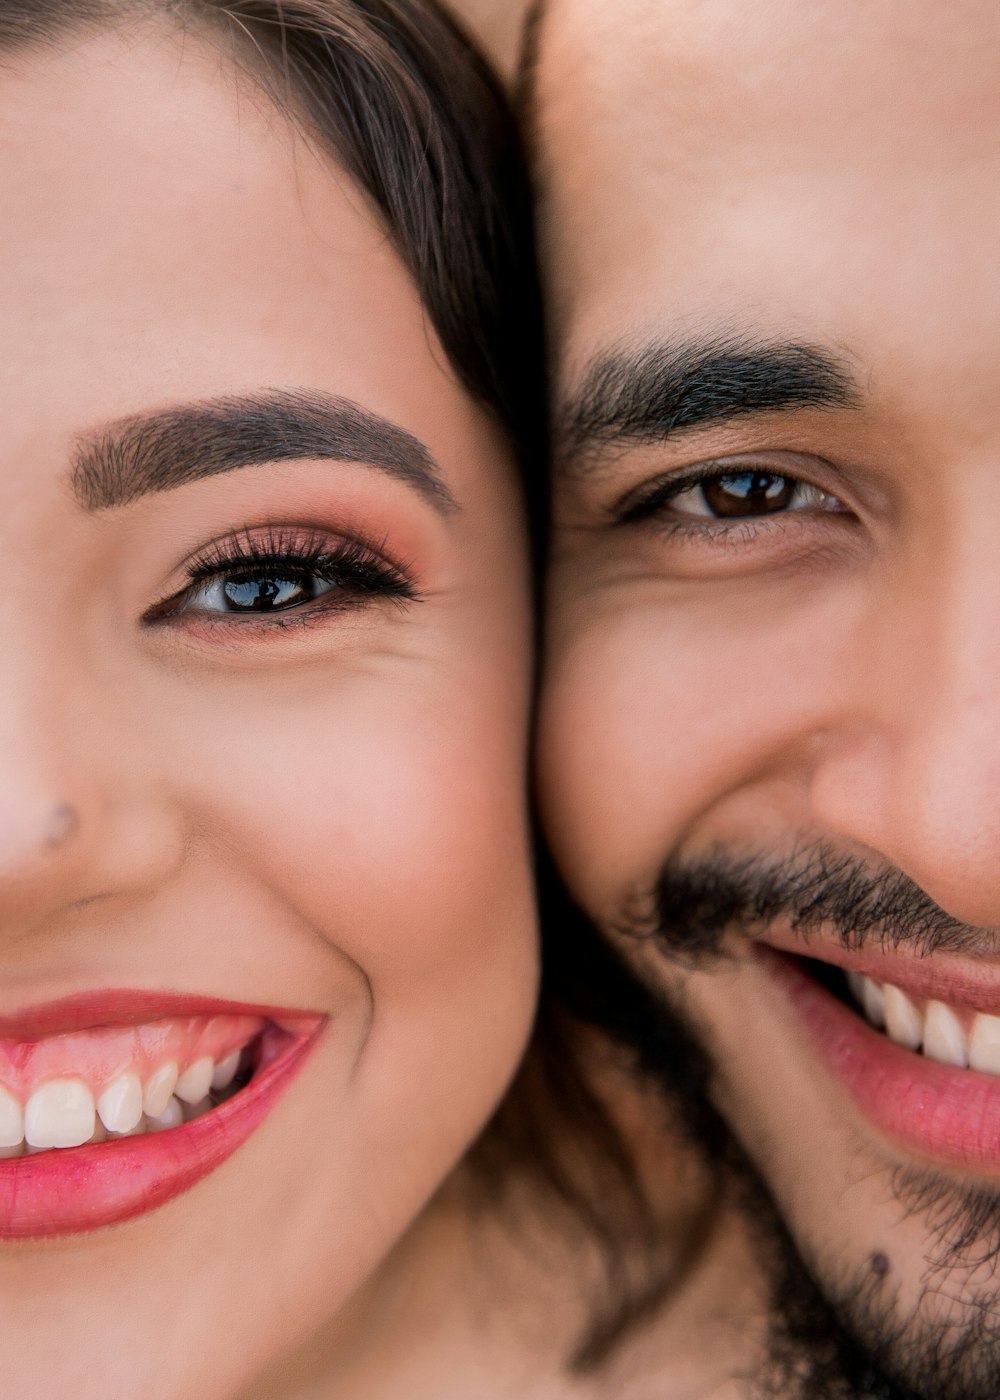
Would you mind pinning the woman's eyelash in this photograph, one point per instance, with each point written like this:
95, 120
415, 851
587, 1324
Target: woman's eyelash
347, 558
355, 570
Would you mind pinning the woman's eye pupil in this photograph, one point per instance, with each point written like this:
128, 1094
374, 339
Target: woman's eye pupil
265, 594
748, 493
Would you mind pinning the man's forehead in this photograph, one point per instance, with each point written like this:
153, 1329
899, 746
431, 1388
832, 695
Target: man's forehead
657, 117
711, 64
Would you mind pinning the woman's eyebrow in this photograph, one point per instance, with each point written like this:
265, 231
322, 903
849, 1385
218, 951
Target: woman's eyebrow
159, 451
654, 391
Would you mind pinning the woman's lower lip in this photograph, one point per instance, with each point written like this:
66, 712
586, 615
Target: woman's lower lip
951, 1115
68, 1192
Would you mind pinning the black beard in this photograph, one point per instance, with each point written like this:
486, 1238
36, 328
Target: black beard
843, 1339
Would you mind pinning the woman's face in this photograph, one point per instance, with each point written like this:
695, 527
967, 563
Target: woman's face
265, 672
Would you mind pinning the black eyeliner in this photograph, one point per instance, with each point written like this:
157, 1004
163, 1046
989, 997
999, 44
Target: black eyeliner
354, 568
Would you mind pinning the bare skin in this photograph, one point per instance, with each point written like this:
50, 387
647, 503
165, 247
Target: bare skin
732, 680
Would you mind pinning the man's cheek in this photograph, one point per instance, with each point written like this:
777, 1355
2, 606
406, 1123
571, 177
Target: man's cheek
639, 738
605, 762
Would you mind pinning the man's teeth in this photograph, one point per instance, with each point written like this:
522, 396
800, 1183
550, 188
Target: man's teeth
934, 1027
62, 1112
171, 1117
11, 1124
984, 1044
902, 1019
944, 1037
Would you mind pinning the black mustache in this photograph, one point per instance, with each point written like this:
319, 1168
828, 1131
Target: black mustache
697, 900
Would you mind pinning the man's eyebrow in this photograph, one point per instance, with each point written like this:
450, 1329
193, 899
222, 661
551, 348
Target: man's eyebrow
170, 447
652, 392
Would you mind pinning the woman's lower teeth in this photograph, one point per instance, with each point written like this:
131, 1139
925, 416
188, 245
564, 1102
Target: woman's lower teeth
64, 1113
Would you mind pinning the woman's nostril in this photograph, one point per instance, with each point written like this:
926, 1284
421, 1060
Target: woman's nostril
63, 823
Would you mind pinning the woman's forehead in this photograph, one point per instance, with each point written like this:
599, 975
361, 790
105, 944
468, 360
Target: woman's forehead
152, 143
169, 235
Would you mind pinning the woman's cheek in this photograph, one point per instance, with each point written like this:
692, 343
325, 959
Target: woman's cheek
383, 815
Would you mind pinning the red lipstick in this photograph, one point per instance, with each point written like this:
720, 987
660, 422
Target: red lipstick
66, 1191
91, 1010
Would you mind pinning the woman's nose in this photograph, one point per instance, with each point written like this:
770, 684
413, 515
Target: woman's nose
81, 817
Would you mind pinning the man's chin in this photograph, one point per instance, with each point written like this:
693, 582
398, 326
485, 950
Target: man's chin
844, 1333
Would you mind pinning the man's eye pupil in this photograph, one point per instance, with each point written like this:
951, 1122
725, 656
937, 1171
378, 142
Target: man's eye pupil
264, 594
748, 493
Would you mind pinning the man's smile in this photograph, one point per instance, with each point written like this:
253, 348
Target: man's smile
950, 1035
923, 1069
898, 998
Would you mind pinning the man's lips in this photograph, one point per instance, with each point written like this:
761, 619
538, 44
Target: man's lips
938, 1111
959, 980
67, 1190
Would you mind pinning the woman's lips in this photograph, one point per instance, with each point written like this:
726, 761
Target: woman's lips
946, 1113
85, 1011
68, 1190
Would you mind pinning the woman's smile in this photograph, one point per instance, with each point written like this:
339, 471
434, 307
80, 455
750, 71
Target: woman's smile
80, 1106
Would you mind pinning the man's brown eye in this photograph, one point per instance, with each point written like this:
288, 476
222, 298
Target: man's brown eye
748, 493
740, 495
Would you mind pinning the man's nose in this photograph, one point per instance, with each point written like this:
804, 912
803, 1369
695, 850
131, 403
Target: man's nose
913, 772
80, 820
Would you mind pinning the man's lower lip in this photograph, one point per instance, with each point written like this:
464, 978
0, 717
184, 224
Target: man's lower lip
951, 1115
68, 1192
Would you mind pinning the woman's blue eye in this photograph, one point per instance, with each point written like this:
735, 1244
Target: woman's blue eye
261, 592
284, 572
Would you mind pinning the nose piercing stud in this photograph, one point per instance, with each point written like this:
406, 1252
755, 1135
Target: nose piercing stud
63, 823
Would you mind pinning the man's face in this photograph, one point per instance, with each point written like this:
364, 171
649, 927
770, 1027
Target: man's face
772, 717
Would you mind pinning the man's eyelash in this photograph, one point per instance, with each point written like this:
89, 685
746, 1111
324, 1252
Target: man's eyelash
648, 502
633, 509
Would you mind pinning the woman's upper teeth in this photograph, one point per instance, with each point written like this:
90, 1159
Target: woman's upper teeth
932, 1026
118, 1088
